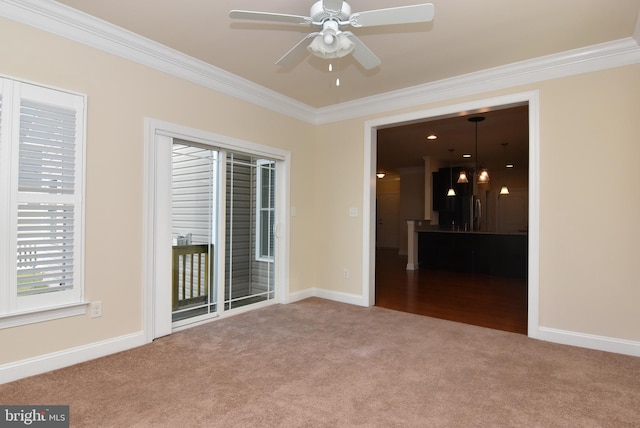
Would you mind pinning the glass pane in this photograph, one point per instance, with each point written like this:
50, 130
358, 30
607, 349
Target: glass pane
249, 233
193, 221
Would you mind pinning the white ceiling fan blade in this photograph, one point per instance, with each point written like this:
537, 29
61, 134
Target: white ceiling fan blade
332, 6
362, 53
394, 15
297, 51
271, 17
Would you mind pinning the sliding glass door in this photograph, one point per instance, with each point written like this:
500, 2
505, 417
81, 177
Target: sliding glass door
249, 236
194, 196
220, 265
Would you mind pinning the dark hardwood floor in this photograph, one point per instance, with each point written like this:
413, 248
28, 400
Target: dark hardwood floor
478, 299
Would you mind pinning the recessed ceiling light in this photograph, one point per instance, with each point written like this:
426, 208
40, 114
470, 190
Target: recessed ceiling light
432, 137
509, 165
466, 155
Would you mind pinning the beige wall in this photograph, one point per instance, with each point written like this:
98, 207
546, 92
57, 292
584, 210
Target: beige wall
589, 132
589, 232
338, 157
120, 95
590, 136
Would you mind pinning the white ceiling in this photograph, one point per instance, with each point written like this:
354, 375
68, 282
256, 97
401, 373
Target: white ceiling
465, 36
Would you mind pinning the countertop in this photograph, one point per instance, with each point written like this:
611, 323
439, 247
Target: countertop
437, 229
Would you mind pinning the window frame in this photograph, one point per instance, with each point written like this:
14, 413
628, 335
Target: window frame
23, 309
270, 165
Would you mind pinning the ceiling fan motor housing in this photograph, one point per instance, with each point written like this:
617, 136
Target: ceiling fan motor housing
318, 14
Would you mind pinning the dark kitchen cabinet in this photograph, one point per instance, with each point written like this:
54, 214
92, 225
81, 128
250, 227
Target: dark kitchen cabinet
474, 252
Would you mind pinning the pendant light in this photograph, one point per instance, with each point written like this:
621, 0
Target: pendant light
504, 190
451, 191
482, 173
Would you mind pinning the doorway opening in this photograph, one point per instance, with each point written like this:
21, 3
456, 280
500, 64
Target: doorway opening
489, 289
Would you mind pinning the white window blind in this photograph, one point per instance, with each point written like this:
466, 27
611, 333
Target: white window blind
47, 148
45, 248
46, 229
43, 184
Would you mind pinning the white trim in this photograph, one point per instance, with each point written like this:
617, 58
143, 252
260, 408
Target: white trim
369, 188
297, 296
591, 341
336, 296
68, 357
182, 132
41, 315
283, 228
339, 296
260, 164
162, 274
67, 22
533, 250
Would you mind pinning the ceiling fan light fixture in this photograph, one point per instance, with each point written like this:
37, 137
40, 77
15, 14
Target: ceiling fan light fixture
331, 45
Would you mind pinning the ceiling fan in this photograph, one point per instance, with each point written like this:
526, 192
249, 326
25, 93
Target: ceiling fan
330, 18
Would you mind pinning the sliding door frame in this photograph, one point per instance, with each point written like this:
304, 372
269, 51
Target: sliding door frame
159, 136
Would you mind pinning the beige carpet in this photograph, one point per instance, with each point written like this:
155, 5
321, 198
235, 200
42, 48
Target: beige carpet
318, 363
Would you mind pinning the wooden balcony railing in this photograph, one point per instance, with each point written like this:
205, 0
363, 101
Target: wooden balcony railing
192, 268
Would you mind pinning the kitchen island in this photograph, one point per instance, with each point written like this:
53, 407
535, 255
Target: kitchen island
491, 253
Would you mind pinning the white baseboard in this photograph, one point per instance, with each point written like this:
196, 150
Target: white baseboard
296, 296
68, 357
337, 296
600, 343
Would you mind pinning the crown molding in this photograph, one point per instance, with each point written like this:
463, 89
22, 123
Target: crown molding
80, 27
593, 58
53, 17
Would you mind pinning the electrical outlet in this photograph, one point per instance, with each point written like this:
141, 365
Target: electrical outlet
345, 273
95, 309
